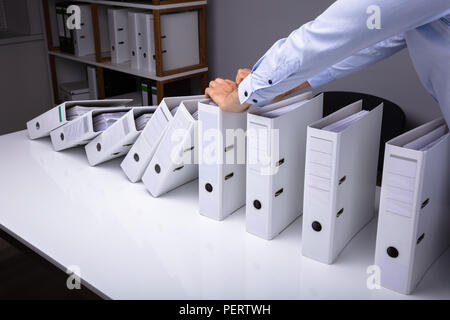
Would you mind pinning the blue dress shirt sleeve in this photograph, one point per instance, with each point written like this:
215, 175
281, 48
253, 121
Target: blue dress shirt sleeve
338, 33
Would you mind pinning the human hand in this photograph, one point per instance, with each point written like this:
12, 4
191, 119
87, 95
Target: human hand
225, 94
242, 74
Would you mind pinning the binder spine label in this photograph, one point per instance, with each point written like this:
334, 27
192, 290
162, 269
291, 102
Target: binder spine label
398, 184
155, 128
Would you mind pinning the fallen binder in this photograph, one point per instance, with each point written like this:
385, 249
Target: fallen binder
85, 128
42, 125
222, 161
276, 138
414, 220
175, 160
340, 179
117, 139
140, 154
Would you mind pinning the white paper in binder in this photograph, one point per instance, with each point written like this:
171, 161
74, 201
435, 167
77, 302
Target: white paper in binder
276, 138
118, 138
56, 117
85, 128
175, 161
140, 154
414, 219
340, 179
118, 35
221, 161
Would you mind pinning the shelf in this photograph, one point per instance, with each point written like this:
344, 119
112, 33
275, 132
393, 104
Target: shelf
142, 5
124, 67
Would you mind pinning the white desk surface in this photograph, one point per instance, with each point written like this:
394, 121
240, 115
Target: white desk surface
129, 245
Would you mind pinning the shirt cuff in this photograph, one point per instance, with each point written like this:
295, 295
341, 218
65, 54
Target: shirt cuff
247, 93
321, 79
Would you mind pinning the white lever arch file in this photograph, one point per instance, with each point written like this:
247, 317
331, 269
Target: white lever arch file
414, 218
117, 140
140, 154
340, 179
276, 139
175, 160
42, 125
81, 130
222, 161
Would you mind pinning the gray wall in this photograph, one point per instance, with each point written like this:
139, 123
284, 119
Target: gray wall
24, 79
240, 31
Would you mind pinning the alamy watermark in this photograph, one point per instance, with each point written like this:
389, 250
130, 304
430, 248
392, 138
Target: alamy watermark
258, 148
374, 20
73, 282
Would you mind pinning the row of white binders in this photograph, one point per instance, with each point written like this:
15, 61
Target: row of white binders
130, 36
294, 162
133, 39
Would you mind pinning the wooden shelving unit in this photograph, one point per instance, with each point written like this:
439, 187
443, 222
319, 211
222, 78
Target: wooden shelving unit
161, 77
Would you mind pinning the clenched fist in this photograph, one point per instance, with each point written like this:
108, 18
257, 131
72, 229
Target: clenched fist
225, 94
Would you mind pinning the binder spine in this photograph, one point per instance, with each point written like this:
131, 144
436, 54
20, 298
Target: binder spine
399, 208
167, 170
141, 153
319, 195
135, 36
259, 206
210, 168
42, 125
147, 62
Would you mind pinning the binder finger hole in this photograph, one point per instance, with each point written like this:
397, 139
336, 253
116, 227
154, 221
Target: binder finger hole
316, 226
257, 204
208, 187
99, 147
61, 136
392, 252
38, 126
157, 168
421, 238
136, 157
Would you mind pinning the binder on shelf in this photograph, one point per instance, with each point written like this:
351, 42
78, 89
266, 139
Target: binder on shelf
65, 36
140, 154
175, 160
78, 91
42, 125
276, 139
135, 36
118, 35
81, 130
222, 162
414, 221
340, 179
180, 30
144, 93
92, 82
83, 38
117, 140
146, 57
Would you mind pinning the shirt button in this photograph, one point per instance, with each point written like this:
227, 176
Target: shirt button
270, 81
255, 101
246, 93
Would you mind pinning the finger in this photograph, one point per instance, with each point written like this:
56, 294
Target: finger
219, 80
212, 84
231, 83
208, 93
